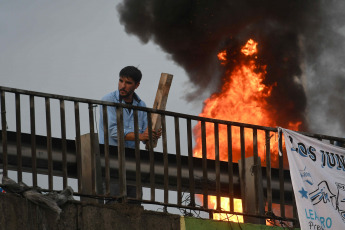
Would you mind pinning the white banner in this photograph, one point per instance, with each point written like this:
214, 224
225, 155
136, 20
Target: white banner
317, 172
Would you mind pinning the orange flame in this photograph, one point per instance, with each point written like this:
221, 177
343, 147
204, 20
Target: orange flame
242, 99
225, 205
222, 56
249, 48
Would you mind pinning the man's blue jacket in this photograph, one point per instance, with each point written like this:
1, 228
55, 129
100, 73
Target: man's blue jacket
128, 119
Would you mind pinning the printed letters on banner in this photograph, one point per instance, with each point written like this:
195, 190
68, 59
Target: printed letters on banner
318, 178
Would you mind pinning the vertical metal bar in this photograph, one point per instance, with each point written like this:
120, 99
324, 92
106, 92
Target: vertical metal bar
121, 152
152, 157
93, 161
49, 144
294, 210
165, 155
216, 150
33, 140
4, 133
19, 139
137, 154
243, 168
281, 177
256, 170
230, 169
178, 160
268, 171
78, 143
106, 149
204, 164
190, 163
63, 144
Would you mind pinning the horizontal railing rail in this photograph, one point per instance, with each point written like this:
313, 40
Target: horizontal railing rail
168, 113
232, 168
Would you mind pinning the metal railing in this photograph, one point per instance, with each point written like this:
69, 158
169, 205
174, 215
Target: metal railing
219, 175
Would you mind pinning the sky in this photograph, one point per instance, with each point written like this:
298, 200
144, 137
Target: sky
77, 48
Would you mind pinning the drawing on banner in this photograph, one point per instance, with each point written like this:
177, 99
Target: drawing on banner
306, 176
340, 203
322, 193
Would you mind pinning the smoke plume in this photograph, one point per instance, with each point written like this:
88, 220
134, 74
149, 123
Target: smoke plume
301, 42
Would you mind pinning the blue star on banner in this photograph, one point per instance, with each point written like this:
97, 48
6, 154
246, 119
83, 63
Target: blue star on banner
304, 193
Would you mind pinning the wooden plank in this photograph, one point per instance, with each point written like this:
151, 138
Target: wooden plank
253, 191
86, 168
160, 101
90, 167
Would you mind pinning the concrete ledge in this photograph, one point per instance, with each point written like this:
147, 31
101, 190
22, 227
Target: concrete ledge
19, 213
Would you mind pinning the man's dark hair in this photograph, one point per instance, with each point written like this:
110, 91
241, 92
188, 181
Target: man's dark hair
132, 72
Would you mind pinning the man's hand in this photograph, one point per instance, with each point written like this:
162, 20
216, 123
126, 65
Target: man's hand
145, 136
155, 135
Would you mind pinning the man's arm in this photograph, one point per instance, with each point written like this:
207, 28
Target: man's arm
144, 136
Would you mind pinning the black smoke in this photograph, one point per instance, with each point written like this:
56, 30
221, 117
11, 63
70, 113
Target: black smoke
289, 34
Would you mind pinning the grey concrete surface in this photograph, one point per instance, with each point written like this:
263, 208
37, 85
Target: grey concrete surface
20, 213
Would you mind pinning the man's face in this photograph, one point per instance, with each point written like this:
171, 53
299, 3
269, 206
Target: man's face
127, 86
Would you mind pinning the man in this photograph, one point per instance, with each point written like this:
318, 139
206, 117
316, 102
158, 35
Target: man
129, 81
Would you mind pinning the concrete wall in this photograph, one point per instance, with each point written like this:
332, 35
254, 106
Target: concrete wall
19, 213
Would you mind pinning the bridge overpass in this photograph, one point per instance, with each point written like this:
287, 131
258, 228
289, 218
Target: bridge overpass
259, 187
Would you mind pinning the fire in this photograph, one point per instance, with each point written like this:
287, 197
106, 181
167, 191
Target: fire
242, 98
225, 205
249, 48
222, 56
